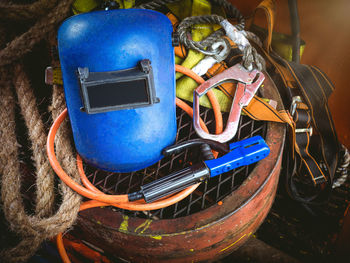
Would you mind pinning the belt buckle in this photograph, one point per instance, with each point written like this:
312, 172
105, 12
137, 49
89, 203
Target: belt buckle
293, 106
292, 110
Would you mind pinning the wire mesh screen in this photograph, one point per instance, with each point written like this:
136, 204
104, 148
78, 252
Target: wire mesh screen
205, 195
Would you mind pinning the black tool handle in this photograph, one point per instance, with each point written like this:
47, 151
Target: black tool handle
175, 182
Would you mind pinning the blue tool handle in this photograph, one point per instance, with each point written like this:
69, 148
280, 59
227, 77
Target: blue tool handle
242, 153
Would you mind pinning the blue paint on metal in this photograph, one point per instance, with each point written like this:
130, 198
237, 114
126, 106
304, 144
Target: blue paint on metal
130, 139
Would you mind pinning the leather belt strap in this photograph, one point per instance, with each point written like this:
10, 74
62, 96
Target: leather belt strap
315, 89
316, 155
303, 132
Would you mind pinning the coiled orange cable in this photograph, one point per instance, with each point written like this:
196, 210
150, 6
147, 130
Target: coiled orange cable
101, 199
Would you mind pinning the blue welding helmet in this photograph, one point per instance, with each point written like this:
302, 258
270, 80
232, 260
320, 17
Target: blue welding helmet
119, 82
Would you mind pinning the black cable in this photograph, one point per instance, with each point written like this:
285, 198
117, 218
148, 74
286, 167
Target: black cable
177, 148
207, 154
295, 26
135, 196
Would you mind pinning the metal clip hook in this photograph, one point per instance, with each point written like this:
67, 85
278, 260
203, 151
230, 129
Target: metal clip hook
245, 91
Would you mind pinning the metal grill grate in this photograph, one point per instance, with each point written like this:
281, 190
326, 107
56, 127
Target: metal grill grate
205, 195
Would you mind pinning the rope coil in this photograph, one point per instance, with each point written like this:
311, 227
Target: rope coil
25, 42
34, 229
9, 11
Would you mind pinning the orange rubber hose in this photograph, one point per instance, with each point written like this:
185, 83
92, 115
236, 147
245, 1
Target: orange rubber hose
214, 102
61, 250
121, 201
138, 205
91, 193
62, 174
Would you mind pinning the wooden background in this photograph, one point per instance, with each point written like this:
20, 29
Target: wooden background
325, 26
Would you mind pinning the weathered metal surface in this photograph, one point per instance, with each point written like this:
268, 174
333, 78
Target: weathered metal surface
204, 236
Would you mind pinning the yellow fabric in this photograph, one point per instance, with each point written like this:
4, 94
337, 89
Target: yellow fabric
178, 60
121, 3
199, 32
128, 3
181, 9
186, 85
83, 6
57, 76
282, 45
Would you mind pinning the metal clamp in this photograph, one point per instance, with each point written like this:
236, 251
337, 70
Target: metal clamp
237, 154
293, 106
245, 91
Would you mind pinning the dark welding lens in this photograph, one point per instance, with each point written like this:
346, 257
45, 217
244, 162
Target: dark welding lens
117, 90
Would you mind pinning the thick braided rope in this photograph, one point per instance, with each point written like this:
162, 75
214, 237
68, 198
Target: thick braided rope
64, 149
8, 166
250, 55
33, 229
254, 56
231, 10
23, 251
212, 38
9, 11
25, 42
156, 4
252, 37
45, 195
186, 25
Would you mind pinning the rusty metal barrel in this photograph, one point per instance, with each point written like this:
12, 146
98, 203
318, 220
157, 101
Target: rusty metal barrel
210, 223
